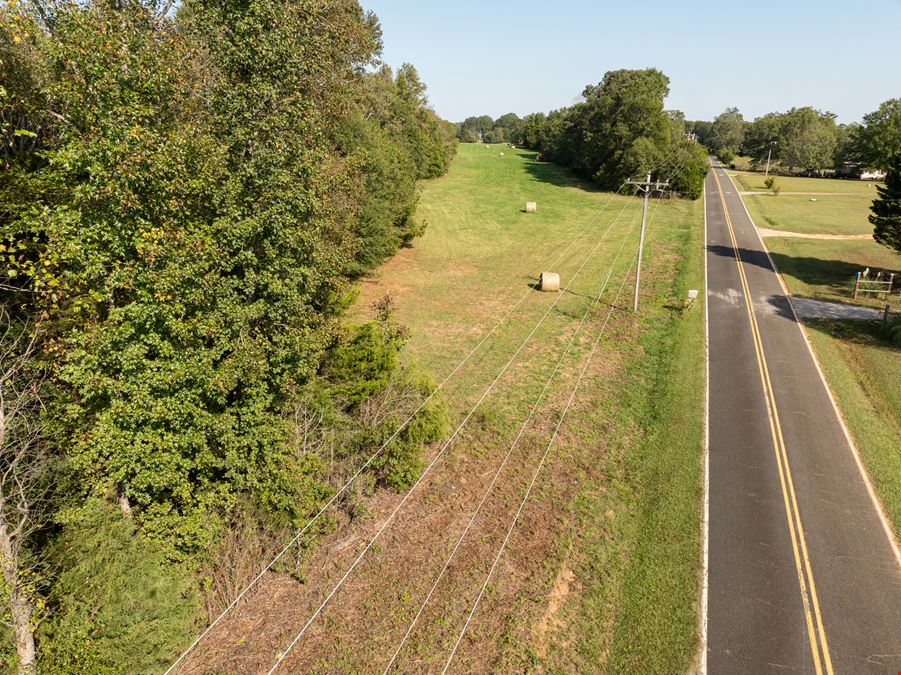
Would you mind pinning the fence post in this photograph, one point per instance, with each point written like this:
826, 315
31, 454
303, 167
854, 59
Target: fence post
856, 284
891, 285
885, 315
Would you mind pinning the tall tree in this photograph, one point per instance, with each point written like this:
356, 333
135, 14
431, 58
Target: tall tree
878, 142
626, 106
727, 131
764, 134
476, 127
886, 216
811, 138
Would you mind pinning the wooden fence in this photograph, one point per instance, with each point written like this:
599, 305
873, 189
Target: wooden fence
878, 286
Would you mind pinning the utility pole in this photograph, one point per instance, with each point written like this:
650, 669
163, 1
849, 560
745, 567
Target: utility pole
768, 157
647, 186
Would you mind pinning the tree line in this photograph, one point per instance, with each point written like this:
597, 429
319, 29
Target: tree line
806, 139
619, 130
187, 191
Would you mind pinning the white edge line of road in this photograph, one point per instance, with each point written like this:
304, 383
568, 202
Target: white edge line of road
702, 664
841, 419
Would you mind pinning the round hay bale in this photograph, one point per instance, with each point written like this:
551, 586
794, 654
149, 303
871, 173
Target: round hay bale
549, 282
531, 207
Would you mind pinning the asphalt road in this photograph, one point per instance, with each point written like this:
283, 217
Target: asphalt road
802, 574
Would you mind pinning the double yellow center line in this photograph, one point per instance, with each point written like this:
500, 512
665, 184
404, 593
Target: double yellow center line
816, 633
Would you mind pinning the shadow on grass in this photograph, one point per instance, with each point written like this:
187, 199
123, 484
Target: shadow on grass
868, 333
535, 285
549, 172
834, 276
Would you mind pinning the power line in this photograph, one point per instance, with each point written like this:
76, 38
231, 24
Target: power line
536, 474
646, 187
522, 429
440, 453
376, 454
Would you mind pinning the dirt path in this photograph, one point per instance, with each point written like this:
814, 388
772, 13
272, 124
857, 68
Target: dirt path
765, 232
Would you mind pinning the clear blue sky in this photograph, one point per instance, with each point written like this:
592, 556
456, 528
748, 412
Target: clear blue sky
497, 56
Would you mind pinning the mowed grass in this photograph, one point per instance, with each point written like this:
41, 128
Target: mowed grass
482, 253
825, 269
820, 268
864, 373
823, 206
755, 181
629, 458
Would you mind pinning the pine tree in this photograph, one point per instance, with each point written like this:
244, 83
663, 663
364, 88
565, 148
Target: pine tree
886, 216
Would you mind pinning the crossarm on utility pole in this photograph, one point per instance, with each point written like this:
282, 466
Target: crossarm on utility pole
647, 186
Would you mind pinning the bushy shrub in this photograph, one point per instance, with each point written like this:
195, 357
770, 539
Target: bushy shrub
725, 155
894, 332
369, 394
772, 185
116, 607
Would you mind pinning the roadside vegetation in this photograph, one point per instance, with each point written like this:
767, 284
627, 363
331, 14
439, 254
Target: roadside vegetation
186, 197
821, 268
191, 197
815, 211
825, 269
863, 367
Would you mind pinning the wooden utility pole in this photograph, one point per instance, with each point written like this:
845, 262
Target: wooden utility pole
768, 157
647, 186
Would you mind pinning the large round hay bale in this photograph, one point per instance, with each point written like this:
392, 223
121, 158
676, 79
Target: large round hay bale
531, 207
549, 282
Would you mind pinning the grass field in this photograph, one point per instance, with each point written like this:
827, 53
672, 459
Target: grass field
825, 269
602, 573
841, 206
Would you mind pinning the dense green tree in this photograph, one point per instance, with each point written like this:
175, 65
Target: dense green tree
626, 106
845, 145
429, 139
886, 209
182, 200
475, 128
621, 130
534, 130
513, 127
727, 131
496, 135
810, 139
801, 138
878, 142
763, 135
702, 132
117, 606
